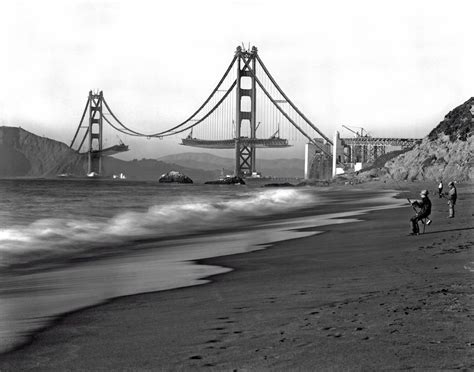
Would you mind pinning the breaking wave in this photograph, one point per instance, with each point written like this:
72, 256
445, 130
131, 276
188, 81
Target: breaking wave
59, 237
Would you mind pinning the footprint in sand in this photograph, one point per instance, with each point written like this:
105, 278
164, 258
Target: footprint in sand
327, 328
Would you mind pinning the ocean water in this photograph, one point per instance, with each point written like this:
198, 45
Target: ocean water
67, 244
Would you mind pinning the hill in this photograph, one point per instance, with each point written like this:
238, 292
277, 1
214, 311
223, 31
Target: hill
446, 153
206, 161
150, 169
24, 154
457, 124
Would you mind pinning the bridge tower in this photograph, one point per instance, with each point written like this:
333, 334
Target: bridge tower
95, 132
245, 154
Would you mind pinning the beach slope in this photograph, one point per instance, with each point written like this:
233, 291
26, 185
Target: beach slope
360, 296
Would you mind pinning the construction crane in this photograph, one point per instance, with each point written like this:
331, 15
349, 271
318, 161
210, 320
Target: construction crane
361, 134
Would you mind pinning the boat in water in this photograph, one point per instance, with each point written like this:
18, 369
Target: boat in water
120, 176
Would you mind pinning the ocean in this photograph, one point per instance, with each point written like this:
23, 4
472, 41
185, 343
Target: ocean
66, 244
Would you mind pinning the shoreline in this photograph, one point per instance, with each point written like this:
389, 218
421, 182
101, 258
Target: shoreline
179, 265
171, 307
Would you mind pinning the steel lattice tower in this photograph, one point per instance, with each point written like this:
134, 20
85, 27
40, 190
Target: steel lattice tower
245, 154
95, 132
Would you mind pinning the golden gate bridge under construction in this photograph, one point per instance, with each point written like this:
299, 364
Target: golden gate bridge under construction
245, 111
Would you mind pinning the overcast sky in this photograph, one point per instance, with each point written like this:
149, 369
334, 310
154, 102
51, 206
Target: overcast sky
395, 68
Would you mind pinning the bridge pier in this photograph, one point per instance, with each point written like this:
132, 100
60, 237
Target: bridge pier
318, 161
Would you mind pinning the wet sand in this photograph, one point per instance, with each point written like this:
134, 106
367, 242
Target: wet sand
360, 296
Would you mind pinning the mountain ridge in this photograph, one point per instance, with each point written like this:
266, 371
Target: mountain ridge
25, 154
268, 167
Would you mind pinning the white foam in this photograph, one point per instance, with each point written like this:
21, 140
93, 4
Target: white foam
67, 236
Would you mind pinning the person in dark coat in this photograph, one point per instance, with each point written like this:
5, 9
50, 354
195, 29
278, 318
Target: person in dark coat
425, 210
452, 196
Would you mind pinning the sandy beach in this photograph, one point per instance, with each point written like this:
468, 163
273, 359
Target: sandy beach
360, 296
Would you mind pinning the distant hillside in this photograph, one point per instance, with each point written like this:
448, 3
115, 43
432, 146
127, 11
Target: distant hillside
206, 161
150, 169
199, 161
446, 153
24, 154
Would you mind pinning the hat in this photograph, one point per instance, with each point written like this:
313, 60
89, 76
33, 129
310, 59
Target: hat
424, 193
451, 184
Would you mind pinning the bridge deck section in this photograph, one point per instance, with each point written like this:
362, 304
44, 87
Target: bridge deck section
230, 143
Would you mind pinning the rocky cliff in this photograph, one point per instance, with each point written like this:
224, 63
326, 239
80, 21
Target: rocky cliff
446, 153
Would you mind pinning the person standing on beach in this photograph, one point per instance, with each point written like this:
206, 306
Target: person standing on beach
425, 210
440, 188
452, 196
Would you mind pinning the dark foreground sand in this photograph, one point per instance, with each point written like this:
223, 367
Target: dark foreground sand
361, 296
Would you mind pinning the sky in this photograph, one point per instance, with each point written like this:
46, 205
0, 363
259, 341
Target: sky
394, 68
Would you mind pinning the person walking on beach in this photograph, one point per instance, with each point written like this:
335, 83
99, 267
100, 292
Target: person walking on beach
425, 210
440, 188
452, 195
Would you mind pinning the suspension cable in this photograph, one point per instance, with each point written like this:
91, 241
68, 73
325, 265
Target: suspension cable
286, 115
206, 101
80, 123
205, 116
121, 130
83, 139
289, 101
118, 121
168, 131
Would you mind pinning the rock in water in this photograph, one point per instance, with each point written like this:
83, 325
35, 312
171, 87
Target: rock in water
174, 177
